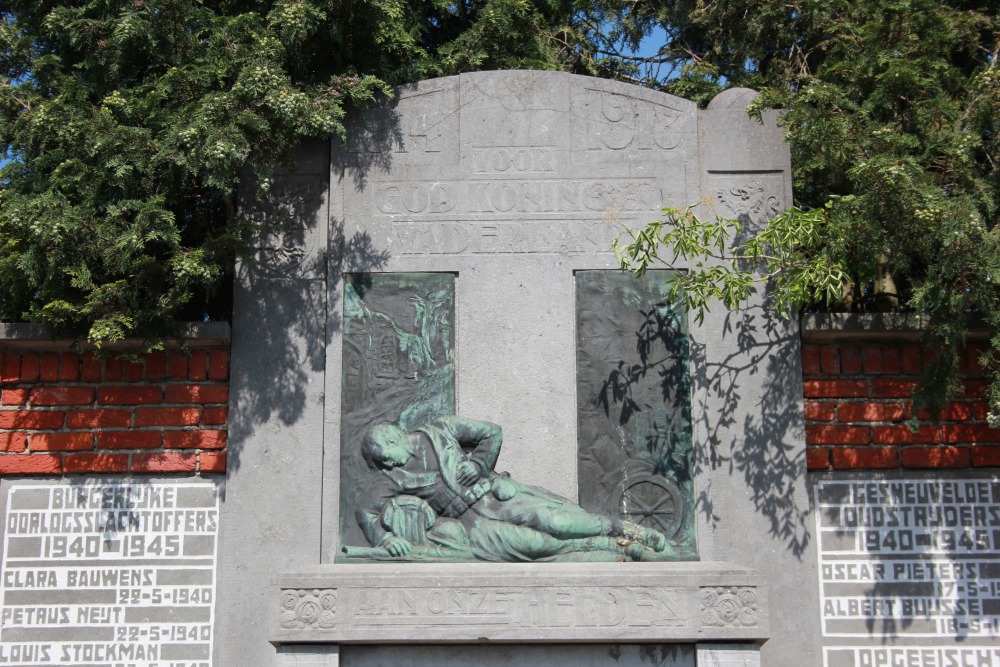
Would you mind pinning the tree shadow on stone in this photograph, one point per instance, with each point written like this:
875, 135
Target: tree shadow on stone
375, 136
282, 310
634, 419
762, 447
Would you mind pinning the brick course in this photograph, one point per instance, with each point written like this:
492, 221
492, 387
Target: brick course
858, 403
70, 413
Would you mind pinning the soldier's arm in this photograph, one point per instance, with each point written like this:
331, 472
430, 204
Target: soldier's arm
370, 525
370, 501
484, 438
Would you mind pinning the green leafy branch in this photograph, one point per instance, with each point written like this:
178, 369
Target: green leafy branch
714, 262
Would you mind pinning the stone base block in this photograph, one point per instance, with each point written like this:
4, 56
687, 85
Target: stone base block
308, 656
520, 603
728, 655
508, 655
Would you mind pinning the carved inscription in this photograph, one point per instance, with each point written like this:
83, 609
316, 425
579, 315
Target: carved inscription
427, 131
518, 602
516, 197
430, 128
452, 238
915, 656
921, 550
611, 122
514, 160
555, 607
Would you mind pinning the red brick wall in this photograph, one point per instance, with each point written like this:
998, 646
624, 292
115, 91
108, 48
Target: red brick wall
858, 400
163, 412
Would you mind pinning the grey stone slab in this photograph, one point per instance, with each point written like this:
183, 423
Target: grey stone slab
272, 505
173, 614
308, 656
746, 167
60, 596
622, 655
728, 655
829, 327
750, 476
200, 546
520, 603
732, 141
291, 214
751, 501
190, 652
851, 327
40, 635
513, 181
176, 577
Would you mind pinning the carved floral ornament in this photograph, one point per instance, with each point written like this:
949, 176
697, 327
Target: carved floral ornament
282, 243
750, 200
728, 606
277, 250
308, 609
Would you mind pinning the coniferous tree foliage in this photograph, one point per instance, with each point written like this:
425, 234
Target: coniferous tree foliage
892, 112
130, 122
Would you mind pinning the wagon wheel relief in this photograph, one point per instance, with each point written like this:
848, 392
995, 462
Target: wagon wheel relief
651, 501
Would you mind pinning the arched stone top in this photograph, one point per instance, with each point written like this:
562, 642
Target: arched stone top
733, 99
534, 82
549, 119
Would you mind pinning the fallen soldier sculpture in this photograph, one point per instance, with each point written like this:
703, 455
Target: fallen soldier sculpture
437, 496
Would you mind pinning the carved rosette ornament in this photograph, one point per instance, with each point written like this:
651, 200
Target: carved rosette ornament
728, 607
308, 609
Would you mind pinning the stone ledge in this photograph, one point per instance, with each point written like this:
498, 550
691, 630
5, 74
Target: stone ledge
837, 327
21, 335
520, 603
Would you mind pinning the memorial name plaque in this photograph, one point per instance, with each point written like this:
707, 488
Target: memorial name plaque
914, 561
925, 656
109, 574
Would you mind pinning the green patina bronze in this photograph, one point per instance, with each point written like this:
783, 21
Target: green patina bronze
634, 405
433, 494
398, 365
421, 486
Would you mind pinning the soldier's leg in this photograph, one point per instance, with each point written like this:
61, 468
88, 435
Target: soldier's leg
573, 522
557, 516
500, 541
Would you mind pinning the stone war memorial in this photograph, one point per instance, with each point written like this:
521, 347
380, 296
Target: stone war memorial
444, 428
